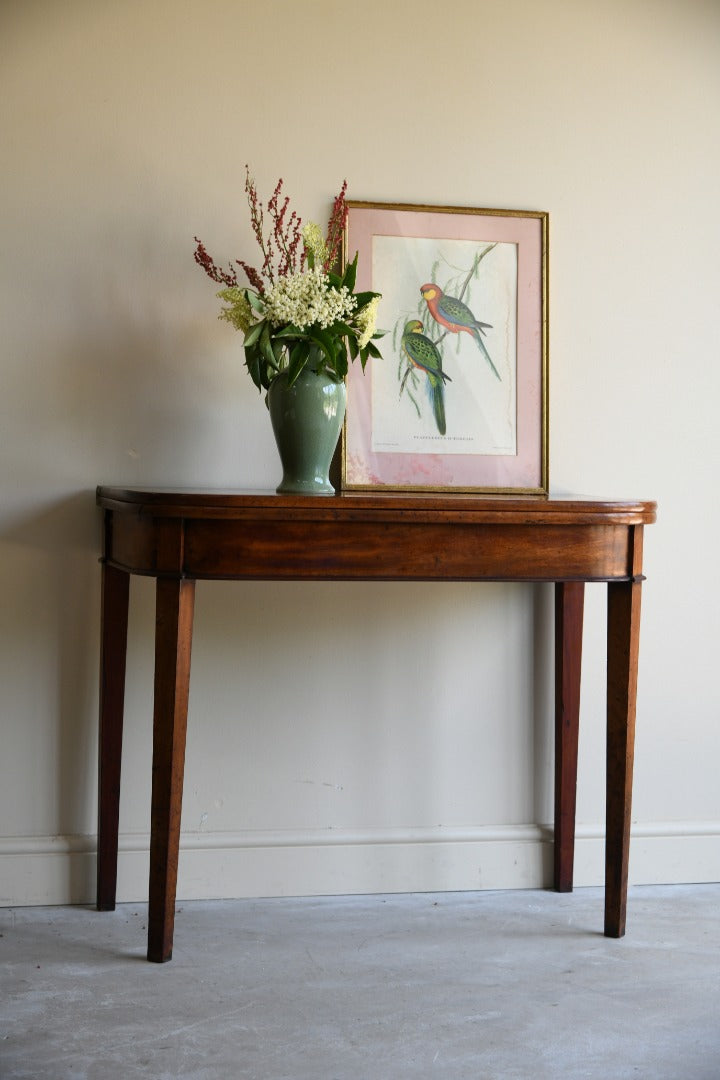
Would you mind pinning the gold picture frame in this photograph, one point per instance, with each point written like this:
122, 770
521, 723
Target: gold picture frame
459, 400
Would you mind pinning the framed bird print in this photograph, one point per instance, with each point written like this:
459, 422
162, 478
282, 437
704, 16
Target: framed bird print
459, 399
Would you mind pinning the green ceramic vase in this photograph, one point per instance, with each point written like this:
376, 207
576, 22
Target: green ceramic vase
307, 418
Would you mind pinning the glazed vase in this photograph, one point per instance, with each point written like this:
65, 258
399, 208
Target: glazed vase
307, 418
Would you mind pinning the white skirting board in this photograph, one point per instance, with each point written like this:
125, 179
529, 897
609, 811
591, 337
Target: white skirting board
61, 870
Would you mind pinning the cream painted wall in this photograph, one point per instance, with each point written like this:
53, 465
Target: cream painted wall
125, 131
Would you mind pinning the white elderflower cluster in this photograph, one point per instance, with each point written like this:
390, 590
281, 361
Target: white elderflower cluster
314, 242
307, 299
366, 320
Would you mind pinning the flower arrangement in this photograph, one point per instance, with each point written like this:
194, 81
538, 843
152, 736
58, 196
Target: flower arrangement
298, 311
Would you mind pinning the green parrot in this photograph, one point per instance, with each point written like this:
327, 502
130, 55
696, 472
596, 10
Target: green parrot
424, 355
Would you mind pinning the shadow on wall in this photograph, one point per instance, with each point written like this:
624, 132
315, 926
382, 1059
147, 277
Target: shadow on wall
128, 377
56, 625
51, 629
110, 382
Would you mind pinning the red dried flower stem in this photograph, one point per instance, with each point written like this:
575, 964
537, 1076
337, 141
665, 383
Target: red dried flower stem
217, 274
336, 227
294, 244
257, 221
283, 242
253, 276
285, 235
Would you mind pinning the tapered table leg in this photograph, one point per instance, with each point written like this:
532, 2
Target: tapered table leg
623, 634
173, 640
569, 604
113, 649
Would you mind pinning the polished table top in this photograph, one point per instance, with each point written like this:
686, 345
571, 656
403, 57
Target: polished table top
172, 501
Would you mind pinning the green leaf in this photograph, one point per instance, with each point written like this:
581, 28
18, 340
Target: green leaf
254, 333
334, 279
298, 360
278, 349
291, 331
326, 343
252, 362
341, 365
350, 274
256, 302
364, 298
266, 346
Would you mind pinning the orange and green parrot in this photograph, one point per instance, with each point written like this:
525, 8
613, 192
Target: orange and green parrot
456, 316
423, 354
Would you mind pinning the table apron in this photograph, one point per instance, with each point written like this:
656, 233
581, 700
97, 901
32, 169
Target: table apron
391, 551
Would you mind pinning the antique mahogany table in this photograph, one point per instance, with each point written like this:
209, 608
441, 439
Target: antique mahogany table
178, 537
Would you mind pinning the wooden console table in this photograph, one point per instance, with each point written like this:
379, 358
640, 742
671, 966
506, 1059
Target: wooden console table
178, 537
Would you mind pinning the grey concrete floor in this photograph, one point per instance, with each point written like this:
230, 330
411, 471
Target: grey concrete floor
503, 986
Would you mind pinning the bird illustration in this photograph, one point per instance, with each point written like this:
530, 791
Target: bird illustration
424, 355
456, 316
